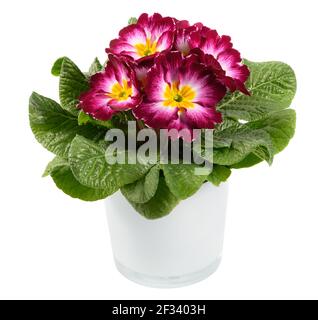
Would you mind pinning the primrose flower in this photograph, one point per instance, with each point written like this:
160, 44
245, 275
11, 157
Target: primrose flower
182, 38
180, 93
223, 57
141, 69
111, 91
145, 39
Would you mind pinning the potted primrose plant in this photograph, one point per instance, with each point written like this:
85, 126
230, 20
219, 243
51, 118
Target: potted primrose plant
156, 131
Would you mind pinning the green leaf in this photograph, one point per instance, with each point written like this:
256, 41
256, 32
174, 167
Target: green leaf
54, 127
204, 149
244, 140
280, 126
132, 20
65, 180
158, 206
182, 180
220, 141
84, 118
250, 161
72, 83
272, 86
89, 166
226, 123
219, 174
57, 66
95, 67
143, 189
54, 164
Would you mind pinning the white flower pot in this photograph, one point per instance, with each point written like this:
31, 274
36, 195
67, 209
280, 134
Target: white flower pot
179, 249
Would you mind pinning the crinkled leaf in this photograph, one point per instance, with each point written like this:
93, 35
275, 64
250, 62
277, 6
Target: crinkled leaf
57, 66
132, 20
182, 180
95, 67
143, 189
202, 148
89, 166
219, 174
65, 180
216, 140
226, 123
244, 140
272, 86
54, 127
72, 83
54, 164
204, 154
250, 161
280, 126
84, 118
158, 206
221, 142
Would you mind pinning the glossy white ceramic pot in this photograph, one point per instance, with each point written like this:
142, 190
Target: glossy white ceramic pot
179, 249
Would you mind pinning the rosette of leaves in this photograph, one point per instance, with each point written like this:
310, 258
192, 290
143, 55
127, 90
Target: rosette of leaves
255, 129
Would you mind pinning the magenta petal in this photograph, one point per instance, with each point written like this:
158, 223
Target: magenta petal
141, 70
241, 86
182, 24
171, 63
104, 97
202, 117
229, 58
118, 67
143, 20
238, 72
147, 21
155, 25
128, 38
213, 44
104, 114
156, 84
130, 103
183, 130
230, 61
95, 104
182, 41
141, 74
133, 34
195, 40
155, 114
116, 71
90, 102
229, 83
196, 84
220, 58
161, 26
148, 30
118, 46
165, 41
208, 91
103, 81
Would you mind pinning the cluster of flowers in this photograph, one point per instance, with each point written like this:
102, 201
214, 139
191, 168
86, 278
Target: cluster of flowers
169, 73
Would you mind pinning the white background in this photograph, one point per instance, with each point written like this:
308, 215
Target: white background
55, 247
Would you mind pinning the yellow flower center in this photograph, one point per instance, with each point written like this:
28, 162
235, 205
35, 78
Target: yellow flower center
146, 49
121, 92
181, 98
